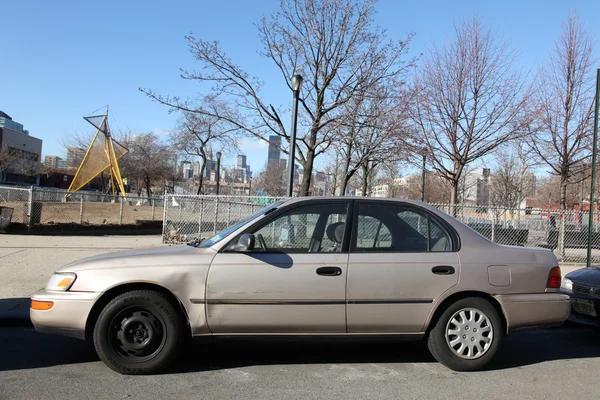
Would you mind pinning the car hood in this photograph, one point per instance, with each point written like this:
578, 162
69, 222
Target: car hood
587, 276
153, 256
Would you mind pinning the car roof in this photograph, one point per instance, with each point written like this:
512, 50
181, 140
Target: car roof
338, 198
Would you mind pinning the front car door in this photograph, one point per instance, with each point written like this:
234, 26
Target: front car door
294, 281
402, 258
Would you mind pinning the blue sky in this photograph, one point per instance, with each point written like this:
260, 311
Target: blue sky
61, 60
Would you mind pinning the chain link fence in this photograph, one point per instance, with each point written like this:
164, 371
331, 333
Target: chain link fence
36, 206
188, 217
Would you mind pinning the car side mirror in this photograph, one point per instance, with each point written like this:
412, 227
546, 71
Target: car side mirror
244, 243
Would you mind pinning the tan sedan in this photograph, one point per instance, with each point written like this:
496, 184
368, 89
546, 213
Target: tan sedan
309, 266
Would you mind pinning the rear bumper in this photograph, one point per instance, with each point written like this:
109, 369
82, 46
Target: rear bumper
524, 311
68, 316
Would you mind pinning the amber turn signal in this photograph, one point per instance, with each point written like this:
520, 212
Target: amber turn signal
41, 305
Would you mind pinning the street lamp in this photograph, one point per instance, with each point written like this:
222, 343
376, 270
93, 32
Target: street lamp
296, 87
218, 171
424, 150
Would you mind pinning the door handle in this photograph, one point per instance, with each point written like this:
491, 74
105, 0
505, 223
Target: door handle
443, 270
329, 271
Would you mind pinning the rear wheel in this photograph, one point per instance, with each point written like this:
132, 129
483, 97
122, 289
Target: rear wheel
467, 335
139, 332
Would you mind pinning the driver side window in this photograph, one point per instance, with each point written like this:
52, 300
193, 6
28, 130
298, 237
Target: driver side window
303, 230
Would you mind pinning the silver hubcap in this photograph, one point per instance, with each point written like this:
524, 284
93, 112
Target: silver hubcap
469, 333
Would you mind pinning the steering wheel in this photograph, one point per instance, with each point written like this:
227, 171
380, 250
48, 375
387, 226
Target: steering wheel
261, 241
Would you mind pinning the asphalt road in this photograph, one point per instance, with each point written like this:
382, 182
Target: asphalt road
552, 363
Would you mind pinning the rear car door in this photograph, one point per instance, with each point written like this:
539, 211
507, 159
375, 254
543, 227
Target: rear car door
294, 281
401, 259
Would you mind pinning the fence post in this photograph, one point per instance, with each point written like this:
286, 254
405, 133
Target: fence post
229, 212
81, 210
152, 209
561, 237
30, 210
200, 217
165, 203
493, 223
121, 210
216, 215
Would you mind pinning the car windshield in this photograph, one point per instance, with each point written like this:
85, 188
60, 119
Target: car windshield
228, 231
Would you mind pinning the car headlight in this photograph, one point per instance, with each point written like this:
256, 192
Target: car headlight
61, 281
567, 285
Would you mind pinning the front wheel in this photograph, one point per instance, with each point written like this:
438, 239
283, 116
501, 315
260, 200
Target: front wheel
467, 335
139, 332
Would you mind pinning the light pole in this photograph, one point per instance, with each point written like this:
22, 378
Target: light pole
296, 87
250, 187
218, 171
423, 174
594, 155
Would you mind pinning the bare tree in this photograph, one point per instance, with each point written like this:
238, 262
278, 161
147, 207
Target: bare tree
468, 101
368, 134
271, 180
332, 44
565, 101
437, 189
512, 181
197, 135
149, 161
7, 159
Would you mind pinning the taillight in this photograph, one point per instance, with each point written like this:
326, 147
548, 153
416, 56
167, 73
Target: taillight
554, 278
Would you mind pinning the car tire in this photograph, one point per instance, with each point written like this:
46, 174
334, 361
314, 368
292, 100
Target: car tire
467, 335
139, 332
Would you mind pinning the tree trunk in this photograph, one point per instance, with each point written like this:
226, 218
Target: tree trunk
365, 179
148, 187
201, 179
563, 192
454, 197
307, 173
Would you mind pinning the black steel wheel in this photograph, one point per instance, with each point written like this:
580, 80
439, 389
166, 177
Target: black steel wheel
139, 332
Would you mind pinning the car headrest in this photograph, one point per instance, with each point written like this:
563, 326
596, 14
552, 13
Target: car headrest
335, 232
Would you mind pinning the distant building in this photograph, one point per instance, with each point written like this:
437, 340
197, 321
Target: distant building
475, 187
74, 157
25, 149
55, 162
386, 188
274, 155
196, 168
241, 161
186, 169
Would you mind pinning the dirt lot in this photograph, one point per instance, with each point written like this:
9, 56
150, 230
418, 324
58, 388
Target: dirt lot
92, 214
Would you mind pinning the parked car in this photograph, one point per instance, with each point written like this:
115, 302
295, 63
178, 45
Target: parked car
309, 266
583, 286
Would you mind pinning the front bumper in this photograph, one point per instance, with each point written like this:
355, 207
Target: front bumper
68, 316
534, 310
583, 318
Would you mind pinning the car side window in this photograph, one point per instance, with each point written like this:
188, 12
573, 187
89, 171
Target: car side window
372, 234
306, 229
392, 228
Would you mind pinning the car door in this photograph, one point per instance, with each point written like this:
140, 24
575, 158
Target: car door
294, 281
401, 259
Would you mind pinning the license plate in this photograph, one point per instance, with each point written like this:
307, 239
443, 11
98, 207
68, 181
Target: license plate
584, 307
